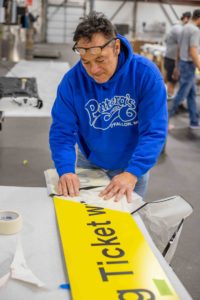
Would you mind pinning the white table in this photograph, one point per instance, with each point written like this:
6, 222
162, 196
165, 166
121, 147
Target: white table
41, 244
42, 247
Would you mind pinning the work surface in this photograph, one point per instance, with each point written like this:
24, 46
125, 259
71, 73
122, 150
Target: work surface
42, 248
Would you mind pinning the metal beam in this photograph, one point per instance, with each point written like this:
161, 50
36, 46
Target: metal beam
173, 10
44, 20
65, 4
91, 5
180, 2
119, 8
135, 6
166, 14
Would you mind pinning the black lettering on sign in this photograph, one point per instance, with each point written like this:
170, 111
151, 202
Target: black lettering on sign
108, 242
116, 252
141, 293
95, 210
105, 274
93, 223
104, 231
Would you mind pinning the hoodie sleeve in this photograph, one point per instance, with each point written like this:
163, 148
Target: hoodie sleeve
152, 122
62, 137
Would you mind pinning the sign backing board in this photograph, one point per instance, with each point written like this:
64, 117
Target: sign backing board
107, 256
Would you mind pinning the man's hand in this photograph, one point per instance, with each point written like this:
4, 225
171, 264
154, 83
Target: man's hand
68, 185
176, 74
120, 185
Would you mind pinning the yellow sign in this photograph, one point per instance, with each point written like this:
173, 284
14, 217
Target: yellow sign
107, 256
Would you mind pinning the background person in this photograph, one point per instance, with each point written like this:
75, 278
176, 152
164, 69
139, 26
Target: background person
189, 61
172, 40
112, 103
28, 19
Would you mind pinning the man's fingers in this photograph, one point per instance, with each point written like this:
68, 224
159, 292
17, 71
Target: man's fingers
129, 195
120, 194
59, 189
111, 193
73, 187
106, 190
120, 185
76, 188
70, 187
64, 188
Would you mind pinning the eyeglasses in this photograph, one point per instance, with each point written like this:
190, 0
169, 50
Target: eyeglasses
93, 50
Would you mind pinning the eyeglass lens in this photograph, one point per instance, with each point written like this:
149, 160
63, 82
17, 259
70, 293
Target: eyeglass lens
93, 50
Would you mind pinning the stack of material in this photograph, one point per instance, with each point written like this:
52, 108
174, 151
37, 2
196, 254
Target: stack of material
22, 91
47, 86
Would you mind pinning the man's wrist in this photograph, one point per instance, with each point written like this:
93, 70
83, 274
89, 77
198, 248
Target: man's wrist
135, 177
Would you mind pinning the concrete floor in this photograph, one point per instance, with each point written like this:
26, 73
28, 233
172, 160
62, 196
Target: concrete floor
177, 172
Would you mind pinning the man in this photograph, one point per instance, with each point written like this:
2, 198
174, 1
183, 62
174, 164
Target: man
189, 60
172, 40
28, 19
112, 103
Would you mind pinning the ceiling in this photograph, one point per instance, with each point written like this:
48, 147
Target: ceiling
181, 2
185, 2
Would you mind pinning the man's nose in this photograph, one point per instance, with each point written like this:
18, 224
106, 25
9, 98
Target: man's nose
94, 68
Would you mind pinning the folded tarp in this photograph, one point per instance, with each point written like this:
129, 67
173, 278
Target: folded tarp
22, 91
163, 218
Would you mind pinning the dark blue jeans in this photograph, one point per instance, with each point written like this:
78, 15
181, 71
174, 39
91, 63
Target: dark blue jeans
140, 187
187, 91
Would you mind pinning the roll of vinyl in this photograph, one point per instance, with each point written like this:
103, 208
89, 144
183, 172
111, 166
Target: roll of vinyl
10, 222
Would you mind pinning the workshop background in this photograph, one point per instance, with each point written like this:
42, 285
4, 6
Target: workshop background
47, 42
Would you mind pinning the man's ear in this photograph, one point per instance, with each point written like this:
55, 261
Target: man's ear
117, 46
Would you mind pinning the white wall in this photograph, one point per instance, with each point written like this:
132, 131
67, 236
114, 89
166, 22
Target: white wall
146, 12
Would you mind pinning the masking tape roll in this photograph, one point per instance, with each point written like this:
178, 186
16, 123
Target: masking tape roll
10, 222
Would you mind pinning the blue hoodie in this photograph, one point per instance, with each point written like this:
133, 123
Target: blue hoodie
119, 124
